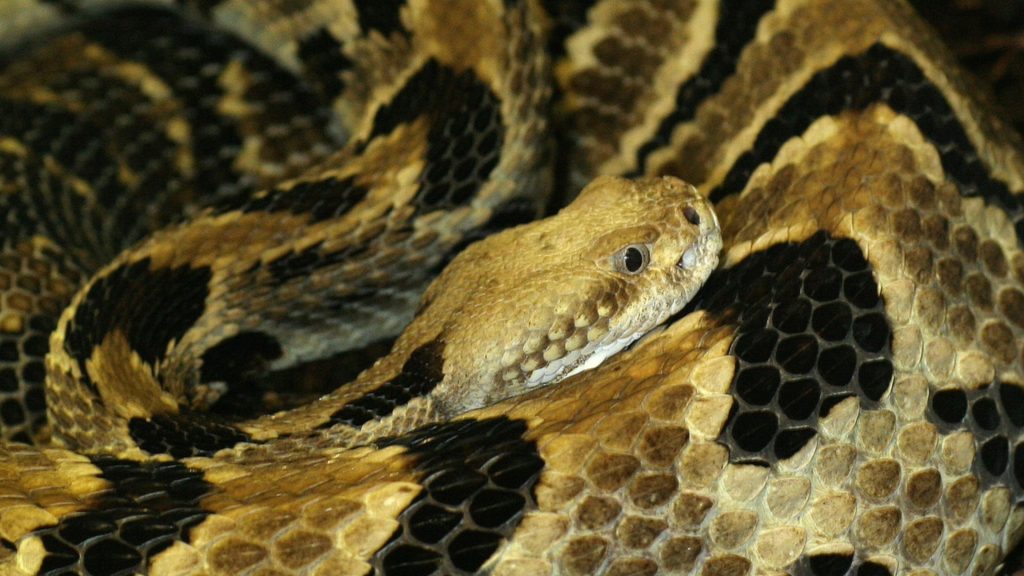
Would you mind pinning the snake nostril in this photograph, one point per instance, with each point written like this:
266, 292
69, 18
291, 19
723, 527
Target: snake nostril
691, 215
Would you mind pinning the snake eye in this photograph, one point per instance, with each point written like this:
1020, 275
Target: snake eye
691, 215
632, 259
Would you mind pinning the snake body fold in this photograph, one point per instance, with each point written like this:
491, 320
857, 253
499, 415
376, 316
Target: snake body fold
195, 196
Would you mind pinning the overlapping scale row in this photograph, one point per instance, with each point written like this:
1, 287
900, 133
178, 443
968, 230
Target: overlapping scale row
812, 332
150, 506
34, 284
478, 478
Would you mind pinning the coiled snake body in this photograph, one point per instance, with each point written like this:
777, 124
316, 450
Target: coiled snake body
196, 195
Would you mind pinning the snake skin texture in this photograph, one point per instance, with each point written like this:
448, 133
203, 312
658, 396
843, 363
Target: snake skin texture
197, 194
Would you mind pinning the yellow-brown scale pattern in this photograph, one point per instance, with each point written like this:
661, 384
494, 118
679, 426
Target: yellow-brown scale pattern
845, 396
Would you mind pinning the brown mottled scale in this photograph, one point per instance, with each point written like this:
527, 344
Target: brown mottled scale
845, 396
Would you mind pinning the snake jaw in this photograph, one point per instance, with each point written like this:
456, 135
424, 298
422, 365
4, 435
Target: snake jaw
602, 353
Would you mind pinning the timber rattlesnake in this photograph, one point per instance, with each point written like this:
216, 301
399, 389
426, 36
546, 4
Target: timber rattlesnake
845, 395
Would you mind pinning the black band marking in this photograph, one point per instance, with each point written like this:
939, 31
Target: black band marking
184, 435
380, 15
324, 61
242, 362
879, 75
737, 24
151, 506
420, 374
837, 564
825, 565
239, 358
150, 308
1014, 557
479, 478
811, 332
994, 414
466, 132
292, 265
320, 199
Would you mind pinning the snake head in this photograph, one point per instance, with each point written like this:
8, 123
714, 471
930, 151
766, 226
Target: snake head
540, 302
662, 243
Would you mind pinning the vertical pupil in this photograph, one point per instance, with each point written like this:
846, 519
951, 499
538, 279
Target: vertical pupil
691, 215
634, 259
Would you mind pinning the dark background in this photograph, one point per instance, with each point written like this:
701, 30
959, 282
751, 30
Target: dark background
988, 37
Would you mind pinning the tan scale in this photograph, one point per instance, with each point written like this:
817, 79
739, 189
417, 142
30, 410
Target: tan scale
637, 476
